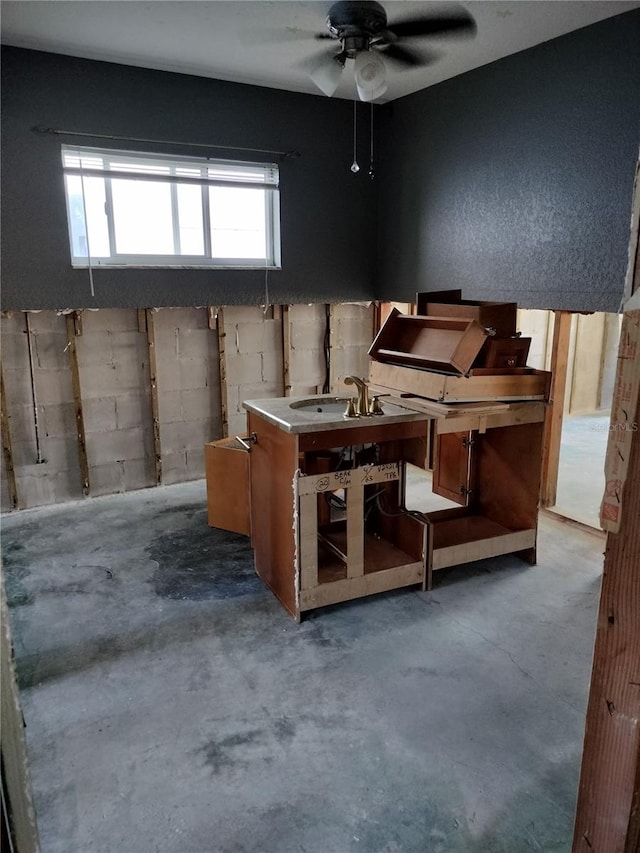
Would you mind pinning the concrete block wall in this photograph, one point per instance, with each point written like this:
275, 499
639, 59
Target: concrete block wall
253, 363
188, 377
115, 388
115, 391
307, 370
51, 475
350, 339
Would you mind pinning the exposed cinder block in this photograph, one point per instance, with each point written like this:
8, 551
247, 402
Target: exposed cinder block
194, 343
133, 410
272, 370
195, 463
17, 386
53, 386
243, 369
349, 332
5, 500
234, 314
112, 379
178, 436
258, 337
196, 404
138, 474
304, 336
21, 422
12, 322
34, 487
46, 321
99, 414
58, 420
174, 468
61, 454
110, 319
95, 348
50, 350
170, 406
15, 353
106, 479
237, 424
117, 446
180, 318
313, 314
67, 485
24, 453
258, 391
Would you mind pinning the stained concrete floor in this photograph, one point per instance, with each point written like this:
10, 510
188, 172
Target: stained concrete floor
172, 706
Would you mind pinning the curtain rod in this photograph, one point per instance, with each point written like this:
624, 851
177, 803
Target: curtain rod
42, 129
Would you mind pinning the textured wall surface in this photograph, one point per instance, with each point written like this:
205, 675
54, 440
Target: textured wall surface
514, 181
327, 247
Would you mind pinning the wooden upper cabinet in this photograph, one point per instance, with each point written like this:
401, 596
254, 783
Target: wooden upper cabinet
453, 471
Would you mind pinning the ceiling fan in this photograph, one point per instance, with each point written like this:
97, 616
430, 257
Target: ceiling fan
365, 35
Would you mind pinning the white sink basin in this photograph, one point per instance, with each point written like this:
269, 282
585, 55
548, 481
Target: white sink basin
322, 405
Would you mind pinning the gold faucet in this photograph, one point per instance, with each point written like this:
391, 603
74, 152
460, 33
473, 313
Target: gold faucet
363, 394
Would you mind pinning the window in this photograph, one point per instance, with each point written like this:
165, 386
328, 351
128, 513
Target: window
132, 209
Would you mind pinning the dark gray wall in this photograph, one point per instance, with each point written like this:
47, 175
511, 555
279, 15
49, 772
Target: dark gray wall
514, 181
327, 213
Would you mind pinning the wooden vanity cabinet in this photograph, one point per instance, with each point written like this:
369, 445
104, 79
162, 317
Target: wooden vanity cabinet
311, 556
494, 472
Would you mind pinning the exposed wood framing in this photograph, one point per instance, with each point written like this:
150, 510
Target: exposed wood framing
553, 425
74, 329
16, 787
332, 327
153, 382
286, 351
224, 400
608, 811
6, 446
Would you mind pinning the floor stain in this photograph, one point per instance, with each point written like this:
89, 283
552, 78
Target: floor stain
218, 754
199, 563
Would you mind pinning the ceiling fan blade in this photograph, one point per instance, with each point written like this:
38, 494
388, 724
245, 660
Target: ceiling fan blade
407, 58
272, 36
453, 23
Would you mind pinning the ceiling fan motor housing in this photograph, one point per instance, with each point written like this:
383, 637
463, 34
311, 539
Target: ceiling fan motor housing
355, 23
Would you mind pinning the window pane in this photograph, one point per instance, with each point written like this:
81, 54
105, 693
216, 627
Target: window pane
238, 223
142, 218
190, 220
94, 199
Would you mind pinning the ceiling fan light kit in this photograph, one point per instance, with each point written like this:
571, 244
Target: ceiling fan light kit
370, 75
364, 35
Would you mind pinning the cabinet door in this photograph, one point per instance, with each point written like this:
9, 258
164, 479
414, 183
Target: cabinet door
452, 471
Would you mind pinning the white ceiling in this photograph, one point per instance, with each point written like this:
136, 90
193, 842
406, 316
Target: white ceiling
267, 43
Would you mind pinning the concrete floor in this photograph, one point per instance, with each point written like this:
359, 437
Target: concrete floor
581, 470
172, 705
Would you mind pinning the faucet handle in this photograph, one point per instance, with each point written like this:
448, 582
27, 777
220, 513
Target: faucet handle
351, 409
376, 408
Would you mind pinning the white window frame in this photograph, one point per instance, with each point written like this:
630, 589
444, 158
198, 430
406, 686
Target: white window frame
81, 161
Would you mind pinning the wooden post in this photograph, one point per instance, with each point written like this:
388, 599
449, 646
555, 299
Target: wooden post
555, 413
224, 402
608, 810
153, 380
6, 446
286, 351
74, 329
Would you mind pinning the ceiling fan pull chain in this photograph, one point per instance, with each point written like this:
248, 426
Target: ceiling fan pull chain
372, 174
354, 166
